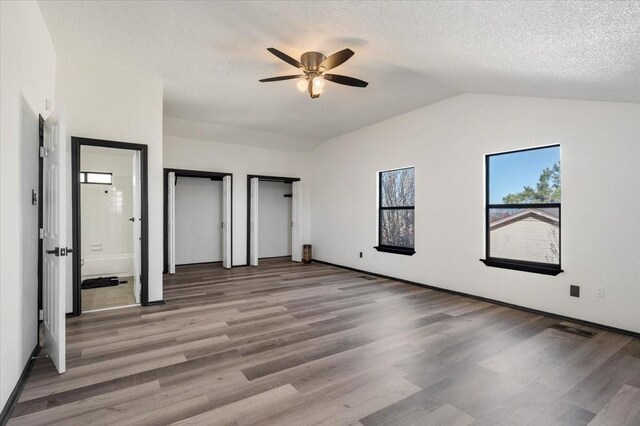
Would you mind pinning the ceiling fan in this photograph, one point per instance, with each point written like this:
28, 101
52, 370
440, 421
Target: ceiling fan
314, 65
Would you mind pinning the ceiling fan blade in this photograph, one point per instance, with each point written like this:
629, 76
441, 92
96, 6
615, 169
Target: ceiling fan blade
347, 81
288, 59
337, 58
282, 77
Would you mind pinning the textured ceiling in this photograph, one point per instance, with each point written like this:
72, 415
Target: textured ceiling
211, 54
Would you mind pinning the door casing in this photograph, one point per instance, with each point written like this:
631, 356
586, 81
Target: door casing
266, 179
197, 174
76, 144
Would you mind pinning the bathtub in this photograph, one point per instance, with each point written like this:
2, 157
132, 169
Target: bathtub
102, 265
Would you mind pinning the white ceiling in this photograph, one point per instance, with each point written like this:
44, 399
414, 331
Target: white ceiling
211, 54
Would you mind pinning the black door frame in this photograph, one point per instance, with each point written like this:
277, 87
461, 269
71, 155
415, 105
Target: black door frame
76, 144
262, 178
217, 176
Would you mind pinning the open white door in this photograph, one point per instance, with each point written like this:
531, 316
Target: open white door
171, 208
253, 223
54, 239
296, 214
137, 229
226, 221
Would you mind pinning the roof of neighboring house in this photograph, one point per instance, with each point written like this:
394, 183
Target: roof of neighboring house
522, 214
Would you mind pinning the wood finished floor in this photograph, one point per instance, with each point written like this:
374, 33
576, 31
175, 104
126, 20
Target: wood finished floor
292, 344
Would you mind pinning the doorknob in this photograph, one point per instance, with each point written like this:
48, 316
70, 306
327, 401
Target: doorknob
55, 251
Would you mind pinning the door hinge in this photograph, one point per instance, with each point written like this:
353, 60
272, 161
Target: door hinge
43, 152
41, 314
41, 233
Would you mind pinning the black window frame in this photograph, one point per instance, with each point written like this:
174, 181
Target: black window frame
407, 251
515, 264
85, 173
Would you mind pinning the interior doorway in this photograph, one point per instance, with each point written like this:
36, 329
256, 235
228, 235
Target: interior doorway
198, 218
273, 212
110, 228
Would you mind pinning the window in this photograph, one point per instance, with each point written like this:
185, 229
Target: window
96, 177
523, 210
396, 215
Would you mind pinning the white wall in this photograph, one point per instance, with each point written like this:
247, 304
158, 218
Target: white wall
105, 212
29, 180
27, 76
120, 105
447, 143
240, 160
274, 219
198, 220
237, 135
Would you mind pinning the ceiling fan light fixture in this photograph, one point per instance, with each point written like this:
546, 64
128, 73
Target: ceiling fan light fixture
302, 85
316, 86
314, 91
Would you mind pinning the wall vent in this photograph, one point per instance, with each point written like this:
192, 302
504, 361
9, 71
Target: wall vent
573, 330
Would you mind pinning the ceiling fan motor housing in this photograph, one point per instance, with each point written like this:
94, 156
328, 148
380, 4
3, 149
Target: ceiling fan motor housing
312, 60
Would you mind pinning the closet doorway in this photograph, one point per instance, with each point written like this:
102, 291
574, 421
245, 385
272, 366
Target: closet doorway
274, 205
110, 230
198, 208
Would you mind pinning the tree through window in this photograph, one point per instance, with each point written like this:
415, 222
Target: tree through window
397, 211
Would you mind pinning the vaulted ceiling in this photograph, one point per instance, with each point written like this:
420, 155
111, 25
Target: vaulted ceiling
211, 54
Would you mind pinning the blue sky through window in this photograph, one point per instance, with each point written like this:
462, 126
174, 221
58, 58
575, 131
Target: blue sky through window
511, 172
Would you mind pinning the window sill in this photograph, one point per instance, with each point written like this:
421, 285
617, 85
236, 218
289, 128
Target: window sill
396, 250
536, 268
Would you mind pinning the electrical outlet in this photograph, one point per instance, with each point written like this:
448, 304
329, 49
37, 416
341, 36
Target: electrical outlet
574, 290
600, 292
360, 254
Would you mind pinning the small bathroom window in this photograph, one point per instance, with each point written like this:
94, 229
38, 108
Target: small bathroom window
100, 178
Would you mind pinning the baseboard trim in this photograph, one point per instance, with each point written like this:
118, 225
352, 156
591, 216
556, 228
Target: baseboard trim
213, 262
233, 266
494, 301
17, 391
155, 302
